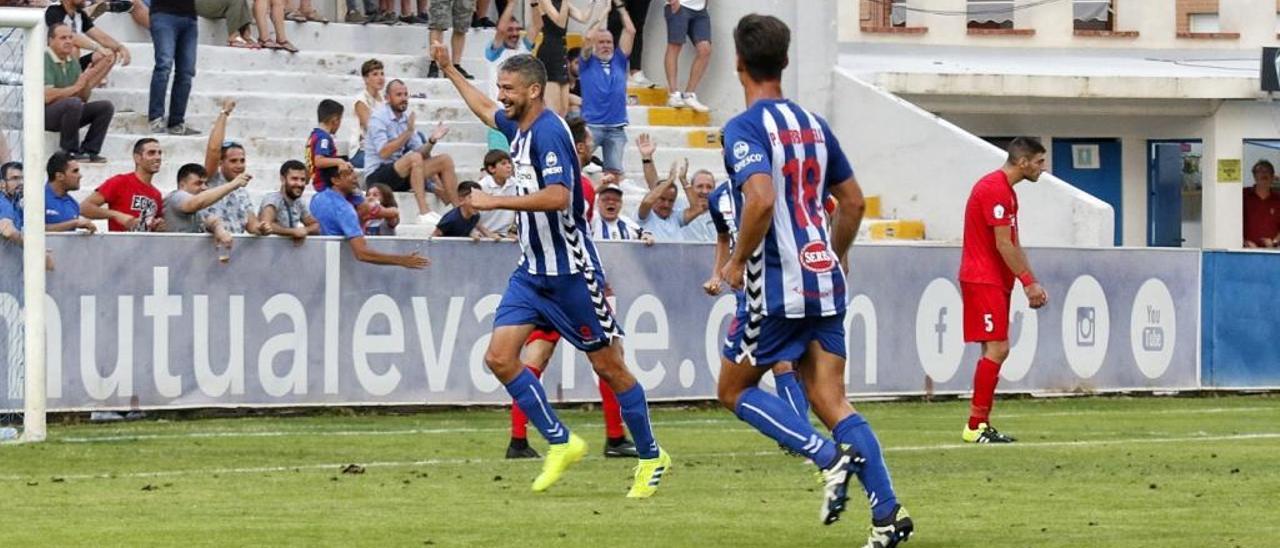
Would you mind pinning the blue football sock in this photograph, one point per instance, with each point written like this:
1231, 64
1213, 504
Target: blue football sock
528, 393
855, 431
774, 418
792, 391
635, 412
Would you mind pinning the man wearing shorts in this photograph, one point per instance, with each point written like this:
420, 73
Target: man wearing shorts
397, 155
991, 259
687, 19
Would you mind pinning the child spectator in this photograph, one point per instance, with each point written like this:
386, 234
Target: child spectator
464, 220
383, 214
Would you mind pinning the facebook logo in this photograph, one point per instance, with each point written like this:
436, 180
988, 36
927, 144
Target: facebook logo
940, 328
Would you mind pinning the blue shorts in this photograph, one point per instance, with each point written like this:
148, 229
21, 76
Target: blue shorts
563, 303
694, 24
782, 339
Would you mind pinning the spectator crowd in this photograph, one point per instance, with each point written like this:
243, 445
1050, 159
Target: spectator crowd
355, 194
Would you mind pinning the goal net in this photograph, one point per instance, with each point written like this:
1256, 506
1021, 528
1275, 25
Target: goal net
22, 397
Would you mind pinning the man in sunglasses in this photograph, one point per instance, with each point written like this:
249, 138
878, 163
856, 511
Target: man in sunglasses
224, 161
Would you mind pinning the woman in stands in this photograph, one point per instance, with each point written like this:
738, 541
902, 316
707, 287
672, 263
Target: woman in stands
554, 21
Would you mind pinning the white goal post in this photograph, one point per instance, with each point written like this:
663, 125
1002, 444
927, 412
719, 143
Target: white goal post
32, 22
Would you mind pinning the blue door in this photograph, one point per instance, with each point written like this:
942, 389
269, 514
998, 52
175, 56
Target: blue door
1164, 194
1092, 165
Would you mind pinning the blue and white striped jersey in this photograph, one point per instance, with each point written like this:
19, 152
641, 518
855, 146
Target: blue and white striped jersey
794, 273
553, 243
622, 228
720, 205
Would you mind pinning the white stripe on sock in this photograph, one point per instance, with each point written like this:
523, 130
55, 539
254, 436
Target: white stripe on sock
774, 422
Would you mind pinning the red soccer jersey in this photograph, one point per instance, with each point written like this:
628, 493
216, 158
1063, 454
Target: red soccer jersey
589, 195
992, 203
127, 193
1261, 217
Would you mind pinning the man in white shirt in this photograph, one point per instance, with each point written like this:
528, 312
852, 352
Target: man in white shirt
658, 213
700, 228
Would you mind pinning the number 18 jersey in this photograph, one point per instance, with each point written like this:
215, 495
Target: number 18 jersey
794, 273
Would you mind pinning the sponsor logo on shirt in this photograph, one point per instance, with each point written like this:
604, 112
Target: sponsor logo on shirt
816, 258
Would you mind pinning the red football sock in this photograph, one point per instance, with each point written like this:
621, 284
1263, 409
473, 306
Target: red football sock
985, 378
612, 412
519, 422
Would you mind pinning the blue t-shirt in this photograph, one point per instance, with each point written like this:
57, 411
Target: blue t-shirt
454, 224
604, 93
552, 243
336, 215
59, 209
7, 211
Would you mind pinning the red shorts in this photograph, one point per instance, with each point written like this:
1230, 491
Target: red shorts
986, 312
539, 334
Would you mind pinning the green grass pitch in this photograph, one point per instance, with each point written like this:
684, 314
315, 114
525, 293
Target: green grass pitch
1087, 472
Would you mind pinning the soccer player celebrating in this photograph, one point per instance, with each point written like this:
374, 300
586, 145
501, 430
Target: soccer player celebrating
990, 260
559, 281
783, 161
541, 344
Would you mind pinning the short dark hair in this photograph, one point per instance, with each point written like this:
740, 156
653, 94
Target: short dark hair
328, 109
762, 42
1264, 163
292, 165
495, 157
578, 128
188, 170
4, 169
54, 27
140, 143
466, 187
1023, 148
573, 53
58, 163
528, 67
393, 82
370, 66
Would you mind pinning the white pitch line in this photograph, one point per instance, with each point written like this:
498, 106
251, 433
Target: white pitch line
740, 454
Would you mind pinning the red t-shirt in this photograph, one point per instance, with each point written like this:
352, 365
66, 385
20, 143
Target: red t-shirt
1261, 217
128, 194
589, 194
992, 203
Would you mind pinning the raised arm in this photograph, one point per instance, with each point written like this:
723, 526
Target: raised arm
656, 191
479, 103
627, 40
507, 15
647, 148
213, 147
535, 19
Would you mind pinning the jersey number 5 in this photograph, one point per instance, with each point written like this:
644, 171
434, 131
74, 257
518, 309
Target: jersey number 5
802, 181
988, 323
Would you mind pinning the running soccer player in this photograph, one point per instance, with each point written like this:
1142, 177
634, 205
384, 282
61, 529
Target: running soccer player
541, 344
990, 260
720, 205
559, 281
783, 161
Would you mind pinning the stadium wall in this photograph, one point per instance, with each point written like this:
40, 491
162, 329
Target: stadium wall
1240, 340
158, 322
922, 166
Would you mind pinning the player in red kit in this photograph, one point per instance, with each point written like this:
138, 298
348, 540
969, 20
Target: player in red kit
990, 261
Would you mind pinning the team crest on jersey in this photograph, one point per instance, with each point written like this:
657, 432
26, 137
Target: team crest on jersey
816, 258
998, 211
551, 160
740, 150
